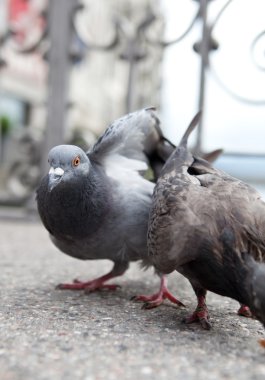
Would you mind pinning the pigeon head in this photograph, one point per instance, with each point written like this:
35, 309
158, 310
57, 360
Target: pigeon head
67, 163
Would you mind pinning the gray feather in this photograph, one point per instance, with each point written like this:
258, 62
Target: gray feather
99, 209
128, 136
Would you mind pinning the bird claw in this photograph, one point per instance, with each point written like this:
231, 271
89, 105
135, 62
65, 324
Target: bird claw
200, 315
141, 298
151, 304
245, 311
156, 299
205, 324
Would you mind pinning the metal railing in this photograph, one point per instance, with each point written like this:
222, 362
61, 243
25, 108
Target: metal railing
61, 42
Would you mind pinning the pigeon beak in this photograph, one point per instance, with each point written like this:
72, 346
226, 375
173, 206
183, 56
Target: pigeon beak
55, 175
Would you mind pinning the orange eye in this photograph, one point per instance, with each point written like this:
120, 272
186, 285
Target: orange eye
76, 161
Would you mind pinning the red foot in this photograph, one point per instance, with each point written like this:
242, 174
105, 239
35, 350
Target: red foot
156, 299
200, 315
244, 311
90, 286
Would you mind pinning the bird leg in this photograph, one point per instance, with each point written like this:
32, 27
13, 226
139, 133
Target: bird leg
201, 313
156, 299
98, 283
245, 311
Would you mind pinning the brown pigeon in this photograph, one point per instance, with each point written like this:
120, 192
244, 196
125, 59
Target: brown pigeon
210, 227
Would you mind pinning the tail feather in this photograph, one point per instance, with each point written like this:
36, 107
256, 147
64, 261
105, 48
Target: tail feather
212, 156
191, 127
181, 156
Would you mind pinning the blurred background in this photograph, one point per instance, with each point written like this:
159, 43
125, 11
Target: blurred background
69, 67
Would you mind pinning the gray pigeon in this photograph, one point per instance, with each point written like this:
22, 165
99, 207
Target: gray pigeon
96, 205
210, 227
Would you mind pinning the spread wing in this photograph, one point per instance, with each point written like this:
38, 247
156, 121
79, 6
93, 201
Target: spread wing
128, 137
133, 136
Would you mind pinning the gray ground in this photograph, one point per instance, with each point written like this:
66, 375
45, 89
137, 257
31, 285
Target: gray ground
55, 334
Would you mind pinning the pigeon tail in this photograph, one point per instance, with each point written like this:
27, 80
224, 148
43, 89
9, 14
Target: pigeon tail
181, 157
213, 155
191, 127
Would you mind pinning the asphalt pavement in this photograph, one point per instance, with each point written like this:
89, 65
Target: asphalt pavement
60, 334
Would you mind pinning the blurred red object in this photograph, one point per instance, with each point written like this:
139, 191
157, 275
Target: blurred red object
17, 8
26, 21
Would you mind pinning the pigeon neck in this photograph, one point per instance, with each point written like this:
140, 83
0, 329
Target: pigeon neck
76, 209
90, 203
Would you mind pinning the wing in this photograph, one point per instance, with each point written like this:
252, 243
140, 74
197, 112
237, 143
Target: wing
172, 225
243, 207
193, 205
134, 140
231, 202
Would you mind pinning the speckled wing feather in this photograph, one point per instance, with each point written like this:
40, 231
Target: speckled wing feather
242, 207
192, 203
